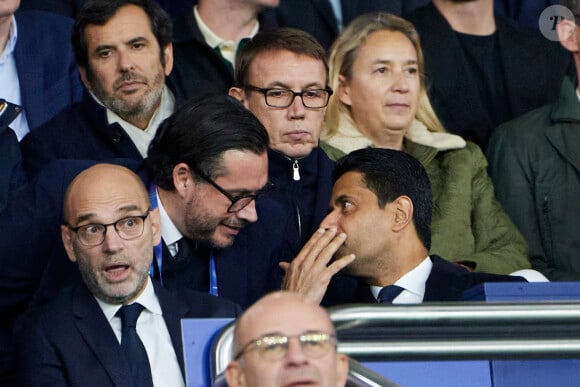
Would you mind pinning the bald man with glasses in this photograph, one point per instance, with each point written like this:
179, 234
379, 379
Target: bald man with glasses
285, 340
118, 326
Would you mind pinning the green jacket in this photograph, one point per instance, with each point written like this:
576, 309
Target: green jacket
535, 164
468, 222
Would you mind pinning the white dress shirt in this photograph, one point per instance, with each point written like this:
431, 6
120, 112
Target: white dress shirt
153, 332
413, 282
169, 232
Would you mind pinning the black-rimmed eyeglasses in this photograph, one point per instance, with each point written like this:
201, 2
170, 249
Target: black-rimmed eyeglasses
273, 347
282, 98
93, 234
239, 202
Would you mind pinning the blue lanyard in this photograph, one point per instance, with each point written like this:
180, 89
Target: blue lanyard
213, 284
158, 249
158, 253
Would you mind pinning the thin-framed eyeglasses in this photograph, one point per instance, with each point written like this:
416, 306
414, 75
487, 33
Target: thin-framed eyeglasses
282, 98
239, 202
93, 234
273, 347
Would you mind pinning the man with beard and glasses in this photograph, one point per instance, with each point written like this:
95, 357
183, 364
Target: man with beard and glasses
123, 51
110, 230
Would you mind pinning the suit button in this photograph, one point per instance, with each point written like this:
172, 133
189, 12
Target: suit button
117, 138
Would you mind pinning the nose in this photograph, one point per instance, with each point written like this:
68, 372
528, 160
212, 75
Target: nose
331, 220
126, 62
113, 241
400, 83
295, 355
296, 110
248, 213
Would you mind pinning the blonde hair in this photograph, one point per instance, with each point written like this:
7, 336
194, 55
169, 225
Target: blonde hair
344, 52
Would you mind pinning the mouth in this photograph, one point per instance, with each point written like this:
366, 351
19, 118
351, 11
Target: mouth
397, 105
117, 272
129, 86
299, 383
298, 134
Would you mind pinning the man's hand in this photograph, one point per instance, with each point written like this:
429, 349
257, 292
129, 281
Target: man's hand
309, 273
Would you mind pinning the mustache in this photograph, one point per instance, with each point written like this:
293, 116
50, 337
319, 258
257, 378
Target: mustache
129, 76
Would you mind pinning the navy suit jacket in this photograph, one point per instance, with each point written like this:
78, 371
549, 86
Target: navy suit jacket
47, 71
70, 342
12, 175
80, 131
447, 282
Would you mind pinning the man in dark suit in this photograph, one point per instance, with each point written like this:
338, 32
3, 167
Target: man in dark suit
110, 230
483, 69
126, 96
378, 228
37, 69
207, 37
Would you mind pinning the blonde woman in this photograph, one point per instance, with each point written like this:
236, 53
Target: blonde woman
380, 100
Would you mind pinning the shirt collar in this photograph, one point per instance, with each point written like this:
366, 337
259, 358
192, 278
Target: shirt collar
413, 281
11, 43
147, 298
210, 37
164, 110
169, 231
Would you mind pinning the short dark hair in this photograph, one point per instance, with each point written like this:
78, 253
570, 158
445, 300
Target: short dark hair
99, 12
389, 174
289, 39
199, 133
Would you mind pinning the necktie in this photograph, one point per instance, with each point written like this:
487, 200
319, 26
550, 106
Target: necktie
389, 293
189, 267
133, 347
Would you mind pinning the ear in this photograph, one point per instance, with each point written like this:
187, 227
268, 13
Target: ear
168, 56
155, 220
344, 91
403, 207
567, 35
341, 370
66, 235
182, 179
239, 94
235, 375
83, 74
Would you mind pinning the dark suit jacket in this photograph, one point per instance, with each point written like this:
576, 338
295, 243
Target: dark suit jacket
317, 18
532, 67
447, 282
79, 132
197, 67
69, 342
47, 72
12, 175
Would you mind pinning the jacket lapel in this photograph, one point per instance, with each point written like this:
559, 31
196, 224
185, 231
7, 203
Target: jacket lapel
97, 333
327, 14
446, 281
173, 311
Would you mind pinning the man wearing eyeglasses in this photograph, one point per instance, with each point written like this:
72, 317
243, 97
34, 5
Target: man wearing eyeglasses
281, 77
283, 340
118, 327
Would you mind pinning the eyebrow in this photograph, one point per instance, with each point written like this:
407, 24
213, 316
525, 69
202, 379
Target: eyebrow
121, 210
285, 86
390, 62
129, 42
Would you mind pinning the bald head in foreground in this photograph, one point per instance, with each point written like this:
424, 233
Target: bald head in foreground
285, 340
